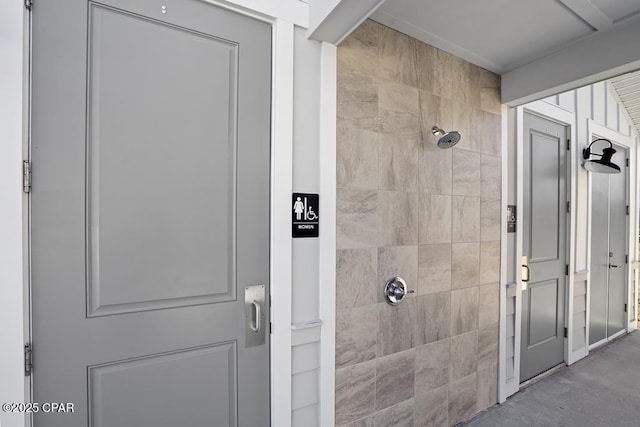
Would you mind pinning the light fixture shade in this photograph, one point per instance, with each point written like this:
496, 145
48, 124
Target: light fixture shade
598, 166
604, 163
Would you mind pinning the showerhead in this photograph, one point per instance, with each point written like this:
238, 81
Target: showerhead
447, 139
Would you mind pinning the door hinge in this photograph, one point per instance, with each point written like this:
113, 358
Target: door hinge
270, 328
625, 308
627, 209
568, 145
28, 4
627, 162
566, 333
566, 270
28, 359
568, 207
26, 176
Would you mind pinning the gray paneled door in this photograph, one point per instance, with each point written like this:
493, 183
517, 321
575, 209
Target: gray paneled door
544, 245
609, 225
150, 214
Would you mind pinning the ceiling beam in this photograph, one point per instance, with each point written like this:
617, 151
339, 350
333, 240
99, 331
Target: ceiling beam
599, 57
589, 13
332, 21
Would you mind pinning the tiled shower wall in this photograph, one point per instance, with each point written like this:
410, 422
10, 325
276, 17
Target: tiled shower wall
407, 208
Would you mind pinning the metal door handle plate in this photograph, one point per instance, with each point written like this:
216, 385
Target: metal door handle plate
254, 309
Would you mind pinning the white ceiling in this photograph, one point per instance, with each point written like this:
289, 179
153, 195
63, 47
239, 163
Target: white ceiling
503, 35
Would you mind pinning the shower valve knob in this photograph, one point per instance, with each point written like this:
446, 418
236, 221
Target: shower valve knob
395, 290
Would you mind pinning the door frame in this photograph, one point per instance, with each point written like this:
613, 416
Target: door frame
283, 16
566, 118
595, 130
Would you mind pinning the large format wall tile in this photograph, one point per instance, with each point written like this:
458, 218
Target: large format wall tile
442, 82
432, 408
355, 338
490, 128
357, 157
462, 355
432, 216
464, 310
434, 219
490, 187
462, 398
466, 219
398, 163
395, 378
489, 309
359, 52
487, 346
434, 268
396, 327
355, 392
489, 262
400, 415
397, 57
398, 107
462, 115
466, 173
432, 318
356, 277
358, 103
357, 218
434, 111
465, 265
487, 386
490, 219
397, 218
434, 173
432, 366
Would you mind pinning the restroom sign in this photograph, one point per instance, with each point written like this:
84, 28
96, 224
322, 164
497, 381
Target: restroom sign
305, 215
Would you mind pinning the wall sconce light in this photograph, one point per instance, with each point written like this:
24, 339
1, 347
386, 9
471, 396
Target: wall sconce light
604, 163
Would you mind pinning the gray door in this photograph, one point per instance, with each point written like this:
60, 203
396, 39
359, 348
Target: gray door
150, 214
544, 244
608, 279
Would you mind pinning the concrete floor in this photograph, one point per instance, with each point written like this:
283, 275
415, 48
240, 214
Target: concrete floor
601, 390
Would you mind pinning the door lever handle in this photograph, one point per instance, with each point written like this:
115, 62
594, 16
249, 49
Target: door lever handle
614, 266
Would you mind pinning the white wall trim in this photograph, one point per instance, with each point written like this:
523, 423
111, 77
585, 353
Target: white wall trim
519, 242
293, 11
503, 393
595, 130
332, 21
281, 189
327, 267
14, 75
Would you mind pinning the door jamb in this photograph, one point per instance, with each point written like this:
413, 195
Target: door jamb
566, 118
597, 130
